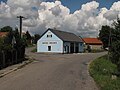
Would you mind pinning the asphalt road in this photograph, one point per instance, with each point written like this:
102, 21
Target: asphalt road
52, 72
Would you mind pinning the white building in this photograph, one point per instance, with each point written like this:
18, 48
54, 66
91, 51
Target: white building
55, 41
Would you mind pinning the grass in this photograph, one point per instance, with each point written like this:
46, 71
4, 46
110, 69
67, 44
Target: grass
101, 70
97, 50
30, 45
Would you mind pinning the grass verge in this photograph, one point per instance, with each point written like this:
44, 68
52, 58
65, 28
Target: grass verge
101, 70
97, 50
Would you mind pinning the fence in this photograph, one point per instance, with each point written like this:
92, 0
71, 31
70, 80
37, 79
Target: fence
11, 57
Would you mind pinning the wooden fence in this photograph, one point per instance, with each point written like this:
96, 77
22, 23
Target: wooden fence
11, 57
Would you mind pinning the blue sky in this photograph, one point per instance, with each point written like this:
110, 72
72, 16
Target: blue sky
76, 4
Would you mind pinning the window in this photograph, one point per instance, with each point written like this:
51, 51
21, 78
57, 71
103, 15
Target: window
49, 36
49, 48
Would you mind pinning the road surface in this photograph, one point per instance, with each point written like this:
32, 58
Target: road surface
52, 72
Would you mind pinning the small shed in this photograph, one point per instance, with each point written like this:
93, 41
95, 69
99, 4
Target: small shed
56, 41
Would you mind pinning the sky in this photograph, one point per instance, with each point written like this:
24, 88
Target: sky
82, 17
76, 4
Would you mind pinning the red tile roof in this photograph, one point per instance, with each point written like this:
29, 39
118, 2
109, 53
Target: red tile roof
3, 34
92, 41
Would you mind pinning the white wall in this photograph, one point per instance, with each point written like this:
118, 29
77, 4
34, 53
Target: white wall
55, 43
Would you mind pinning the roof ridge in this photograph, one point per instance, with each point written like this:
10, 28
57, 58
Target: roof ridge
61, 31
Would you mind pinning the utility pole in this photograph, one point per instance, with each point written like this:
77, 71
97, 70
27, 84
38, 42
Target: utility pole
21, 18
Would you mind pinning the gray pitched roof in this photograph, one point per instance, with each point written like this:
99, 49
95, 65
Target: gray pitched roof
66, 36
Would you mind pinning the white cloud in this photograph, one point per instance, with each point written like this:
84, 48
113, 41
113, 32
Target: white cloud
4, 11
90, 6
111, 15
41, 15
115, 6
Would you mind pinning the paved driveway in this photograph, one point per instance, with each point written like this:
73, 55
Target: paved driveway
52, 72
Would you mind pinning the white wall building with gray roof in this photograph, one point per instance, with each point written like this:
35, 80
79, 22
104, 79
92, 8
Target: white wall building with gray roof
55, 41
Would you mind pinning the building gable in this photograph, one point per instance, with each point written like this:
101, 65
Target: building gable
49, 42
49, 35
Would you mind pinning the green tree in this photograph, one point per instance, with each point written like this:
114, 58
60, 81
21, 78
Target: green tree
6, 29
9, 37
36, 38
104, 35
19, 45
1, 43
116, 31
114, 38
115, 54
28, 36
5, 43
115, 46
17, 37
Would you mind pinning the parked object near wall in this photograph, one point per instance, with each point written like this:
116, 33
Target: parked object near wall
55, 41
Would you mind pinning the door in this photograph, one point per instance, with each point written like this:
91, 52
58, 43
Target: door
49, 48
71, 47
76, 47
66, 49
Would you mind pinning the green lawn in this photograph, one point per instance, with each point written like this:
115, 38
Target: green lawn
101, 70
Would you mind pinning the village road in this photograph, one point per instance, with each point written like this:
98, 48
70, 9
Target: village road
52, 72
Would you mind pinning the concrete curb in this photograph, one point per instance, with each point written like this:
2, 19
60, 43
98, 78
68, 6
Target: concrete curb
16, 68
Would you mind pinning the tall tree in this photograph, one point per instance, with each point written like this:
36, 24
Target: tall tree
28, 36
17, 37
115, 48
104, 35
113, 34
36, 38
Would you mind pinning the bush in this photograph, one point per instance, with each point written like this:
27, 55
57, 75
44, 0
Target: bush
12, 49
115, 53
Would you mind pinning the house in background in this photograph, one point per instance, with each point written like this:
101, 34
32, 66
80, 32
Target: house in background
55, 41
3, 34
94, 43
